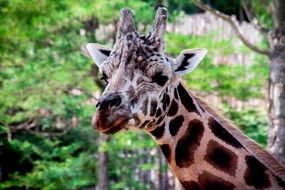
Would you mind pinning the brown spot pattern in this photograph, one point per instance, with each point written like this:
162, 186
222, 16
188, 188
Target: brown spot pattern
144, 106
280, 182
187, 145
165, 101
158, 131
220, 132
158, 112
166, 151
221, 158
190, 185
255, 174
209, 181
144, 124
153, 106
186, 99
159, 119
173, 108
175, 94
175, 124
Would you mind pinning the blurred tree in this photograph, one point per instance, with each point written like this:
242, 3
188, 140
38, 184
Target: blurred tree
275, 37
45, 92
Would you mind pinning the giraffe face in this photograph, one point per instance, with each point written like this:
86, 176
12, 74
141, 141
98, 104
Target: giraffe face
133, 71
137, 72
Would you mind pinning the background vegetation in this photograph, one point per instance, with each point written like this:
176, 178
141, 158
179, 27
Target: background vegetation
47, 92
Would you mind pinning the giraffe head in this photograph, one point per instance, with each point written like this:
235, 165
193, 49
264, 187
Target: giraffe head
137, 73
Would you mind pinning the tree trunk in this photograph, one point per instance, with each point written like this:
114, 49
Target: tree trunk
276, 139
90, 27
161, 184
103, 156
103, 182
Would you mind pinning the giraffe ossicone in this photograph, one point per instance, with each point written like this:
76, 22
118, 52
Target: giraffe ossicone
204, 150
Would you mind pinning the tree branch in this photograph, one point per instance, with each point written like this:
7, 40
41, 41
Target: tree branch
235, 28
247, 5
30, 126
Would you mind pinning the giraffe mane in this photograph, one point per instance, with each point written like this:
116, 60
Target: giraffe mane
259, 153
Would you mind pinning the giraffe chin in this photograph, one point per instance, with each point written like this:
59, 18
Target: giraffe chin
109, 123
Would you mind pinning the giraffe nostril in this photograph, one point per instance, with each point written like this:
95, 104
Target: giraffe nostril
115, 102
109, 102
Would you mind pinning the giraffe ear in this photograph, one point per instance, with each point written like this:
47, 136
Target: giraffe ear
97, 52
188, 60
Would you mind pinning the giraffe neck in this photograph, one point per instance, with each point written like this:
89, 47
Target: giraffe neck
203, 153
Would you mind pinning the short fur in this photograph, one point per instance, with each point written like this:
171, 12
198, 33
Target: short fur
268, 160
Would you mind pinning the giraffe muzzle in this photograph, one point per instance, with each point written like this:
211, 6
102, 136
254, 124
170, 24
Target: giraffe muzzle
112, 115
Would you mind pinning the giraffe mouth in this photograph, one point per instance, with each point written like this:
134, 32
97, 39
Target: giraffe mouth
109, 123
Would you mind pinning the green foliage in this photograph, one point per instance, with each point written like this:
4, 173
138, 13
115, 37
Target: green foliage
175, 43
143, 10
251, 122
127, 152
263, 12
41, 67
231, 7
55, 161
240, 81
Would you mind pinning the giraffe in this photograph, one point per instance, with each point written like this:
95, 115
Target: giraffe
143, 91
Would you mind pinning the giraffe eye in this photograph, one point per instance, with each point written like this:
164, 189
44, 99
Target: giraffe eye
160, 79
